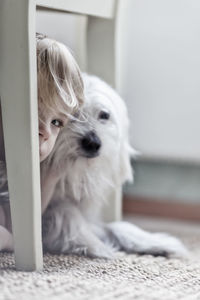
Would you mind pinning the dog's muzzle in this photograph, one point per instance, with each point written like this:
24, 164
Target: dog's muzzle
90, 144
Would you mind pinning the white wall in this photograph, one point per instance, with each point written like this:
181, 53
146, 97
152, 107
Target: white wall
161, 77
69, 29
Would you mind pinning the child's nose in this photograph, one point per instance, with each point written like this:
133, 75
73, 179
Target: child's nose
44, 132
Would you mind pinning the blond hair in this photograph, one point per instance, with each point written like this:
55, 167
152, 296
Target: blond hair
60, 85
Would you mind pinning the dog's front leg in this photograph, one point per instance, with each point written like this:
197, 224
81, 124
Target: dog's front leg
131, 239
66, 231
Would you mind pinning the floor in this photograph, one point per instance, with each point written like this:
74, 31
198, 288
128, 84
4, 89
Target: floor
125, 277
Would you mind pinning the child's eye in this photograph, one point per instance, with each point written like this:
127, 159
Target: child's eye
58, 123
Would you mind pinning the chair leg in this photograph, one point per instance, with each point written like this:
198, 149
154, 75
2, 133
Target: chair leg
102, 36
18, 91
112, 211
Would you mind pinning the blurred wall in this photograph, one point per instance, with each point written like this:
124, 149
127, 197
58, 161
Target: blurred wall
69, 29
161, 77
160, 71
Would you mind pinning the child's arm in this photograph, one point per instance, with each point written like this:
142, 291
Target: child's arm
6, 237
6, 240
48, 184
2, 151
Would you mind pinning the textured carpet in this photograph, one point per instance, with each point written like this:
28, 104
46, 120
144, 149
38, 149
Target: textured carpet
125, 277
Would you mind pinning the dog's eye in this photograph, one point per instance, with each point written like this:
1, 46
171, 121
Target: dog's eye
104, 115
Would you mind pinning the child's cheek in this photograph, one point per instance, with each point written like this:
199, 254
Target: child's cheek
47, 146
53, 139
55, 134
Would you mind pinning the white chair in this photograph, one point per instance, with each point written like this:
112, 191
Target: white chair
18, 91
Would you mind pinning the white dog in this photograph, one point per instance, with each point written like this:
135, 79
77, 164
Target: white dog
94, 153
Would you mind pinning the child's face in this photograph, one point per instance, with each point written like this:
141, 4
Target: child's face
49, 129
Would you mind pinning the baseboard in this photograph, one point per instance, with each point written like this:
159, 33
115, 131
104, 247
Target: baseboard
161, 208
165, 180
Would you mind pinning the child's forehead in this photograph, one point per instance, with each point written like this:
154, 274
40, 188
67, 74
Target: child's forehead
48, 113
55, 106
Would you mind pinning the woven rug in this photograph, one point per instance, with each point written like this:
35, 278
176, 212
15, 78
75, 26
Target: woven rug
125, 277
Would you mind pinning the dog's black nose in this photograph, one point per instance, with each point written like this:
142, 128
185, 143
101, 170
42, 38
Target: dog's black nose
91, 143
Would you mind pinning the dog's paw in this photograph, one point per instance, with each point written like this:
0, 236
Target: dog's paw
92, 250
132, 239
100, 252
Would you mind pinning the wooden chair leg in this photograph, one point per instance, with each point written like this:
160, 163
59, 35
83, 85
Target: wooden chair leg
18, 91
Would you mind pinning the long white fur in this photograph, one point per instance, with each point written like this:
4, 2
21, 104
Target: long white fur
72, 222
